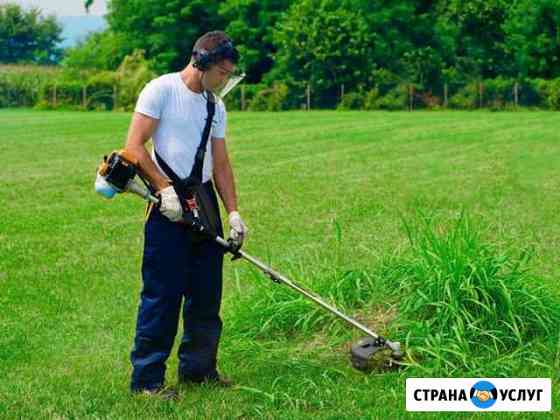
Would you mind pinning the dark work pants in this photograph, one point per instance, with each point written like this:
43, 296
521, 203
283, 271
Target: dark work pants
175, 268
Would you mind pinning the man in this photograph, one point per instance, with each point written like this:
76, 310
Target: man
172, 111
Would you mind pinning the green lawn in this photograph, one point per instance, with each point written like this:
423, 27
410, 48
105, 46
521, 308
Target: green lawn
70, 260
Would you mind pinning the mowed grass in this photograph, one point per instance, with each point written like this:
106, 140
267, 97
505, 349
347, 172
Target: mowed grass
322, 192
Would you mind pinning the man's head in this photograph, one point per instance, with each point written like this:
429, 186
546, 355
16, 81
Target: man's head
215, 56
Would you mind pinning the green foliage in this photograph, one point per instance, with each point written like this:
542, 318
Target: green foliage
372, 47
477, 48
324, 43
371, 99
61, 94
532, 32
395, 99
166, 31
280, 310
395, 29
28, 37
467, 304
352, 100
273, 310
466, 98
385, 80
72, 88
133, 73
250, 23
498, 93
271, 99
100, 90
233, 99
78, 91
20, 85
421, 64
100, 51
549, 92
529, 95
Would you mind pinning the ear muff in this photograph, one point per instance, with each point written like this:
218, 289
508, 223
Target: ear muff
225, 49
202, 60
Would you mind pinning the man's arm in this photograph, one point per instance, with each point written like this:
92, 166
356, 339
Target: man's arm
141, 129
223, 175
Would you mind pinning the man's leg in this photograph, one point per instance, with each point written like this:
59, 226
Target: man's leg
201, 315
164, 268
201, 311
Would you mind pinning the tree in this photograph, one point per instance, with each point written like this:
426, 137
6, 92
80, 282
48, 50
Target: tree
533, 37
324, 43
359, 43
251, 24
478, 35
28, 37
331, 42
408, 38
100, 51
165, 30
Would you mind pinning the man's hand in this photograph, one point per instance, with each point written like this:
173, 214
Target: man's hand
170, 205
238, 230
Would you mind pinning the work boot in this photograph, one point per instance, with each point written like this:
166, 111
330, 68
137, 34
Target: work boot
163, 393
221, 381
217, 380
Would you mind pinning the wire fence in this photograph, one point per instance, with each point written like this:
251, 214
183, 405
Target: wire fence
40, 93
83, 96
495, 94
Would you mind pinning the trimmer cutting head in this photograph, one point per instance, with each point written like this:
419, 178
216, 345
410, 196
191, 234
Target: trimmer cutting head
375, 354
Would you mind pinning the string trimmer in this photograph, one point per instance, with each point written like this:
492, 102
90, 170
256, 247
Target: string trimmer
117, 174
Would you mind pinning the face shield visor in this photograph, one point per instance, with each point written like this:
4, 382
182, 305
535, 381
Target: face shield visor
221, 89
227, 86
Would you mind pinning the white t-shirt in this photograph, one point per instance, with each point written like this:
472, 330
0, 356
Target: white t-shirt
182, 116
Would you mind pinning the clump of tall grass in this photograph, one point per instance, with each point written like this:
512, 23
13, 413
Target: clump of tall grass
272, 309
276, 309
467, 304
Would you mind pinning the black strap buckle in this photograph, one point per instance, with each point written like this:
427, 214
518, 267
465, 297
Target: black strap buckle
234, 249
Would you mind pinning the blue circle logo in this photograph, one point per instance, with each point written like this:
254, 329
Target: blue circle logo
483, 394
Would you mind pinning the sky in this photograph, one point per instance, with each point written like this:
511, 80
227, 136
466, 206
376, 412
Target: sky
63, 7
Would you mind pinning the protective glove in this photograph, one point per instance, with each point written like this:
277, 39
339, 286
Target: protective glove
238, 230
170, 206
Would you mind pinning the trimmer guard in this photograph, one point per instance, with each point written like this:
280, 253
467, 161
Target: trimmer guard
373, 354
